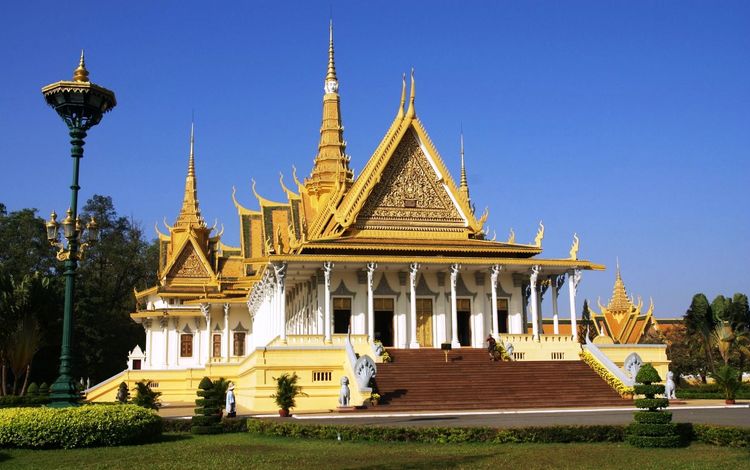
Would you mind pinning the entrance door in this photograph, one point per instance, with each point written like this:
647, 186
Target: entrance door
502, 315
424, 322
383, 312
342, 314
463, 311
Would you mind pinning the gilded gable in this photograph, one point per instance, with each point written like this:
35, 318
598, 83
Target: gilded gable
409, 195
188, 265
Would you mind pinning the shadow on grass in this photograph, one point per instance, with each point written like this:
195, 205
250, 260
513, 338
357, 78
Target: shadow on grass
434, 418
173, 437
4, 457
467, 461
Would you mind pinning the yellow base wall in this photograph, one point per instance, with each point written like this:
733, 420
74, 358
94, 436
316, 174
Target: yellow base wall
319, 366
654, 354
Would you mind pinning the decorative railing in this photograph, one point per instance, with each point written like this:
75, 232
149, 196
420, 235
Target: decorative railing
318, 340
607, 370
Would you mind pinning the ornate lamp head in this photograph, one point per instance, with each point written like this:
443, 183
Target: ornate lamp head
79, 102
52, 228
92, 231
69, 225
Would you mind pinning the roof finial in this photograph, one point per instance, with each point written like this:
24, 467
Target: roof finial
191, 160
618, 267
331, 75
464, 186
80, 74
403, 97
410, 112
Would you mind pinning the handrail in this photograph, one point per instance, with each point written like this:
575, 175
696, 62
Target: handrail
608, 363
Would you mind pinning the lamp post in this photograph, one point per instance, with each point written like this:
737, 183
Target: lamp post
81, 104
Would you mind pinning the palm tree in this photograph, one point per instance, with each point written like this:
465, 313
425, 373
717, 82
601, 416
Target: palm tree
700, 322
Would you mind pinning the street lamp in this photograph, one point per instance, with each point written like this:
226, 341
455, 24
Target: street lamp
81, 104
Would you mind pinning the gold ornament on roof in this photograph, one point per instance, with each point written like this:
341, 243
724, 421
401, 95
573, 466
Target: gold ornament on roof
574, 247
539, 235
511, 236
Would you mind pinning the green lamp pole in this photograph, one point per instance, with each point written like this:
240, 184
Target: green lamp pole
81, 104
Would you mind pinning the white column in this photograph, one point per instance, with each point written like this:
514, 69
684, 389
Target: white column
226, 333
413, 271
149, 340
165, 332
206, 311
454, 314
533, 301
573, 279
327, 267
370, 305
554, 284
280, 273
199, 335
494, 274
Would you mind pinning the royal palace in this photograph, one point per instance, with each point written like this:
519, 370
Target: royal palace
396, 256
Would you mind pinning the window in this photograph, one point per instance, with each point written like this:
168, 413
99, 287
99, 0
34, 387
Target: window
136, 364
239, 344
186, 345
217, 346
342, 314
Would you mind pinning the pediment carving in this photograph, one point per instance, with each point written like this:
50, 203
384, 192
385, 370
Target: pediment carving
409, 195
188, 265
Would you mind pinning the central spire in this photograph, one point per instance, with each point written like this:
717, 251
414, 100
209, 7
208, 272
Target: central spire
331, 169
190, 214
464, 185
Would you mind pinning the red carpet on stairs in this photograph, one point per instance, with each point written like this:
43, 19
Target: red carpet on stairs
420, 379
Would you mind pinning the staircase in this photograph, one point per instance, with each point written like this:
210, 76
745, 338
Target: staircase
420, 379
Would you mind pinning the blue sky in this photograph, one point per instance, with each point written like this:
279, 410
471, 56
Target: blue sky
627, 122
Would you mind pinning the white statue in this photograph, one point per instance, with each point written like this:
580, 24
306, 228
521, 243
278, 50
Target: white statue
509, 350
669, 388
344, 393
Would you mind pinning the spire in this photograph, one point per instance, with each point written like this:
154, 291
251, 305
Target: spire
331, 167
464, 186
80, 74
190, 214
619, 301
331, 75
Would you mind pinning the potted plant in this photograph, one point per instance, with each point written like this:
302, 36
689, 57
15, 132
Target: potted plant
729, 381
385, 357
374, 399
287, 391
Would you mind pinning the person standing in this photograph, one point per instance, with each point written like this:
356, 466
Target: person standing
231, 403
491, 347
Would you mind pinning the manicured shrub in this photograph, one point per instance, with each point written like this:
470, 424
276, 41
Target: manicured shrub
722, 435
44, 389
146, 397
228, 425
652, 428
123, 394
439, 435
84, 426
12, 401
33, 390
207, 417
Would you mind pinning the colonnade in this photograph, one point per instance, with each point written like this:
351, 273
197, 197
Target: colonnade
535, 282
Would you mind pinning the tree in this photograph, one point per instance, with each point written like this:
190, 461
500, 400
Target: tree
700, 323
121, 261
586, 327
686, 356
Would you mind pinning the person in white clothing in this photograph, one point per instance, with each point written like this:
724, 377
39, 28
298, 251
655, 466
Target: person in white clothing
231, 403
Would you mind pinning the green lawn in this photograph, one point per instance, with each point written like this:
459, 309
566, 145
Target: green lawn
243, 450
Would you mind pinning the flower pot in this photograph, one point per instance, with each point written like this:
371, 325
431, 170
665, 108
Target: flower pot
284, 413
729, 401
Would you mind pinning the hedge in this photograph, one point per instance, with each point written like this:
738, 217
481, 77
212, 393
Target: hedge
84, 426
183, 425
728, 436
647, 417
597, 433
26, 400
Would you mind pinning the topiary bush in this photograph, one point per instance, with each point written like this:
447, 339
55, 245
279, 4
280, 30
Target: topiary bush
652, 428
33, 390
123, 394
83, 426
207, 418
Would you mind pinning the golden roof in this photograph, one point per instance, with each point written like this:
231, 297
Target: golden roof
622, 319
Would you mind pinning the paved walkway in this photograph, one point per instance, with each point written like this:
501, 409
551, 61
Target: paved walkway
693, 411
